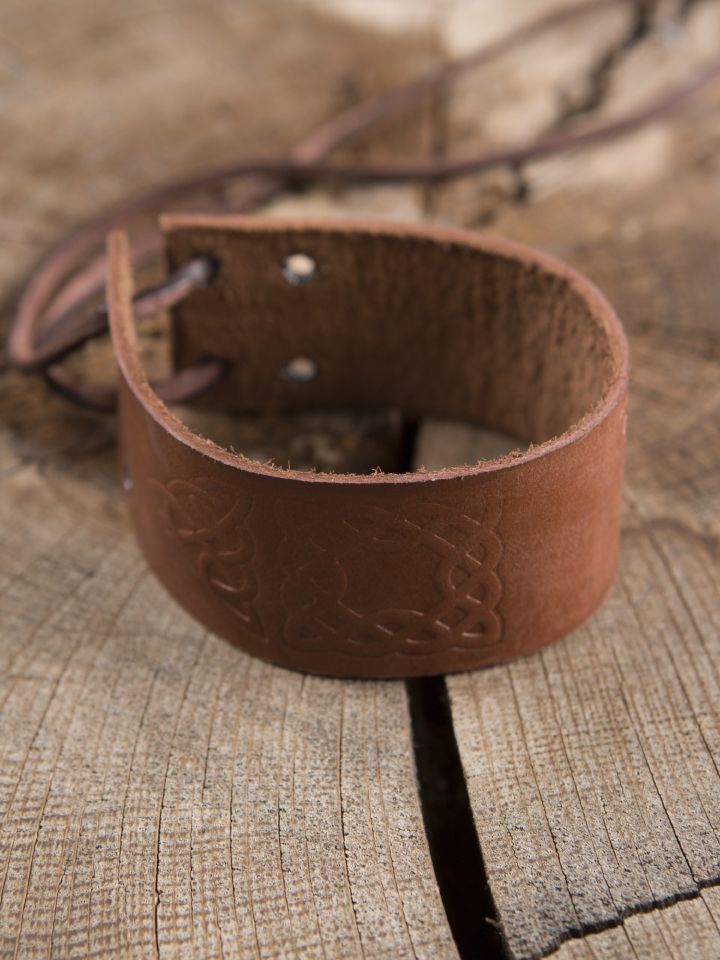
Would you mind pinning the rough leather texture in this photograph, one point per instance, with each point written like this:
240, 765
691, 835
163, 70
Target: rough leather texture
382, 575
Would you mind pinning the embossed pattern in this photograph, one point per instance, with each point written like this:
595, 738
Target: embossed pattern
317, 565
317, 593
224, 550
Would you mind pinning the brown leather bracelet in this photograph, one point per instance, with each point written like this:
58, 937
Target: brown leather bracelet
380, 575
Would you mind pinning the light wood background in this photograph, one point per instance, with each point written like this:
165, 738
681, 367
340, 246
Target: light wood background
161, 794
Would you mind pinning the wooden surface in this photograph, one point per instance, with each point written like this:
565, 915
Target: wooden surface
160, 790
611, 738
162, 794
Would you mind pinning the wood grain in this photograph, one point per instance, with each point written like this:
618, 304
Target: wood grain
163, 795
593, 767
686, 929
160, 793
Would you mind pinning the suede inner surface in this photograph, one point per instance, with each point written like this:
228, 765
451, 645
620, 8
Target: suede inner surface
432, 328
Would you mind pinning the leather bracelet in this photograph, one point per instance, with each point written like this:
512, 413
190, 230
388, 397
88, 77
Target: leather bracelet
381, 575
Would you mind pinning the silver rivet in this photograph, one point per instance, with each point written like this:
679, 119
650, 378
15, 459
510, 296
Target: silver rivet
300, 369
298, 268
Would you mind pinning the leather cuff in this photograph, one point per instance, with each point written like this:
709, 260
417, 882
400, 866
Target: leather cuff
380, 575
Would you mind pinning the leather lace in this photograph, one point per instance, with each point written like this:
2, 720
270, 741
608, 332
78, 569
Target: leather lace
54, 317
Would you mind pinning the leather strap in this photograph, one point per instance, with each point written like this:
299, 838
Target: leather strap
381, 575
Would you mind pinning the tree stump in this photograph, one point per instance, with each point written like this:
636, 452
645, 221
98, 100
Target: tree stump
164, 795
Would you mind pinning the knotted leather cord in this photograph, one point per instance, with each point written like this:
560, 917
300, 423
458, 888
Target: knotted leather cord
52, 318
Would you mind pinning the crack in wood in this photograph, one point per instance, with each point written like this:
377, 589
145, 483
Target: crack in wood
449, 825
662, 903
599, 75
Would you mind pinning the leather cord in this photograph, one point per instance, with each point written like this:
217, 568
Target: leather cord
53, 318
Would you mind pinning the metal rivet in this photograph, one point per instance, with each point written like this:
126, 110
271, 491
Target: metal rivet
298, 268
300, 369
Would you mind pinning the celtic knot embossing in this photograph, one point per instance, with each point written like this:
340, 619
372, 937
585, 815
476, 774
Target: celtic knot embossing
464, 552
208, 518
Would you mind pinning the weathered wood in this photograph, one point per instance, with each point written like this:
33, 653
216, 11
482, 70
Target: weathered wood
162, 794
593, 768
161, 789
686, 929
